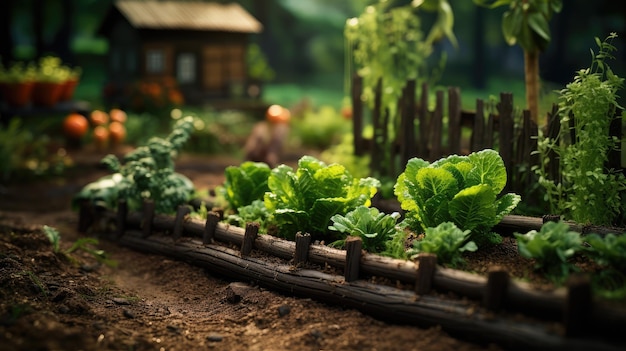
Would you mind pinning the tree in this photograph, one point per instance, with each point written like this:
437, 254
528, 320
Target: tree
526, 23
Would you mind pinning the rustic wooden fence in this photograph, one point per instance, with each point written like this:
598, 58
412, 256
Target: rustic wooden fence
560, 319
422, 133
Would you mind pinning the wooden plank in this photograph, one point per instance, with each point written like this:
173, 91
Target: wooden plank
454, 120
408, 145
506, 125
181, 212
554, 132
353, 258
478, 131
489, 132
375, 150
436, 126
249, 236
424, 278
495, 290
357, 116
421, 148
301, 253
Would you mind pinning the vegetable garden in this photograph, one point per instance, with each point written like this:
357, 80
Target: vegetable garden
487, 224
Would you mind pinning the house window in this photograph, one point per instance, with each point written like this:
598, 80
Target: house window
155, 61
186, 68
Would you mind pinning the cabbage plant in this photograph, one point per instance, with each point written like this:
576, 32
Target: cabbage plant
459, 189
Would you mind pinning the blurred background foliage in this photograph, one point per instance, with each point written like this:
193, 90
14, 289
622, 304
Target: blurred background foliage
304, 43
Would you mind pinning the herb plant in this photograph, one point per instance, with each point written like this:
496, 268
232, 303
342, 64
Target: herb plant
608, 251
447, 241
305, 199
587, 192
374, 228
551, 247
147, 173
459, 189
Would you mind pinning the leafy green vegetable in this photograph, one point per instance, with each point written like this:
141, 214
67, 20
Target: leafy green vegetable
458, 189
551, 247
254, 212
147, 173
447, 241
305, 200
245, 184
374, 228
608, 251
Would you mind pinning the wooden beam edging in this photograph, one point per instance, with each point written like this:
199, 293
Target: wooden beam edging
384, 302
519, 295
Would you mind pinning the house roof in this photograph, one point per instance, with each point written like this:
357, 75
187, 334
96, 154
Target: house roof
190, 15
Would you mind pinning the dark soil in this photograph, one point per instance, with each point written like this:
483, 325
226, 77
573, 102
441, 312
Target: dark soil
58, 301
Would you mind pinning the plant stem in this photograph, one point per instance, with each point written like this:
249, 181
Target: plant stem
531, 76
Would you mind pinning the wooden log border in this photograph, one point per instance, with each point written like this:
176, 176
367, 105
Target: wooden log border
496, 292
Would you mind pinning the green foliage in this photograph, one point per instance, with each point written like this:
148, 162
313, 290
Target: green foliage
586, 191
245, 183
53, 235
458, 189
608, 251
147, 173
320, 128
374, 228
551, 247
445, 240
305, 199
343, 153
254, 212
526, 21
258, 67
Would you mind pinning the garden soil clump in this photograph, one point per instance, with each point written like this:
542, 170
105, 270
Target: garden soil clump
57, 301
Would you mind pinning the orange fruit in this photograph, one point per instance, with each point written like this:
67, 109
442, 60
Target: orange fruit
75, 125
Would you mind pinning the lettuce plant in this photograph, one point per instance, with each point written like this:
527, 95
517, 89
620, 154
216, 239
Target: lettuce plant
305, 199
459, 189
608, 251
245, 183
551, 247
376, 229
447, 241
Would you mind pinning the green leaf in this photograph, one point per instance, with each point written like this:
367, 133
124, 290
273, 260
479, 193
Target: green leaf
505, 205
473, 207
488, 169
539, 24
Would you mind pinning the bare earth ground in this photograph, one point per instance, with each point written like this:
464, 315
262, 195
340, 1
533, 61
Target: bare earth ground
52, 301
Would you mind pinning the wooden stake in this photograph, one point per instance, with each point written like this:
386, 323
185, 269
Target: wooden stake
148, 217
578, 305
249, 236
426, 270
181, 212
209, 227
122, 213
353, 258
495, 290
301, 253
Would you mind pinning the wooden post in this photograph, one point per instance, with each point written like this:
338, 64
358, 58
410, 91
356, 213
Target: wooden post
353, 258
506, 125
86, 213
578, 305
478, 131
249, 236
122, 213
375, 150
554, 130
454, 120
424, 124
436, 125
408, 147
427, 264
301, 254
209, 227
357, 115
148, 217
495, 290
181, 212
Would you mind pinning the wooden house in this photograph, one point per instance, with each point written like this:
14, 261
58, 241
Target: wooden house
199, 45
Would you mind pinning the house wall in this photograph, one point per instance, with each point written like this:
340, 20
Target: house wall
124, 53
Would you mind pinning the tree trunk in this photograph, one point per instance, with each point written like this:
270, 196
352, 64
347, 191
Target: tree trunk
531, 72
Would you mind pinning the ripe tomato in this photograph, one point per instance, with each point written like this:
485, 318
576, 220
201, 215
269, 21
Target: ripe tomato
117, 132
75, 125
278, 114
117, 115
99, 117
346, 112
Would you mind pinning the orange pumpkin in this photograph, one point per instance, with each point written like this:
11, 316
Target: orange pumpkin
101, 137
118, 115
75, 125
99, 117
117, 132
278, 114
